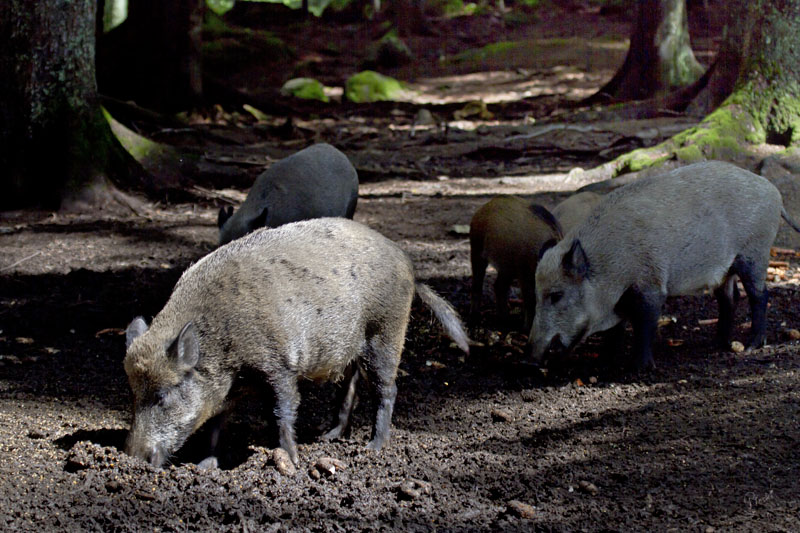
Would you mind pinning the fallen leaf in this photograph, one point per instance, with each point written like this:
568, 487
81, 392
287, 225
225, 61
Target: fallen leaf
112, 331
674, 342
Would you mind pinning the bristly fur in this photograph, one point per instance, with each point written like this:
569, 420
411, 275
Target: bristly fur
547, 217
446, 314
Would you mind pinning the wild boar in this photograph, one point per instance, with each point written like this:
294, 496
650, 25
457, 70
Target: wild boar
317, 299
574, 210
508, 232
678, 233
318, 181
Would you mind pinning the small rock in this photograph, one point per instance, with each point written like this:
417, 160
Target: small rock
522, 510
425, 118
588, 487
146, 496
282, 462
737, 347
326, 466
411, 489
501, 415
460, 229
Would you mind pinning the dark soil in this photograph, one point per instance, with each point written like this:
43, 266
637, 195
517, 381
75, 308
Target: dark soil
708, 441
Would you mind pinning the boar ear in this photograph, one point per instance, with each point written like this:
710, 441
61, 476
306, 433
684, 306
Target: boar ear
261, 220
546, 246
135, 328
224, 214
186, 348
575, 262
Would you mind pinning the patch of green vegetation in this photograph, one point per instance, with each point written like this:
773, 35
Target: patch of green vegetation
370, 86
305, 88
639, 160
517, 18
689, 154
220, 7
492, 50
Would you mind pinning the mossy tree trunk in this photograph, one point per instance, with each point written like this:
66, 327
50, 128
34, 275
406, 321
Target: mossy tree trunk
660, 57
758, 69
752, 94
56, 148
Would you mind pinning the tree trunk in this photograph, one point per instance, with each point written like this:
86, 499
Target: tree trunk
758, 69
410, 18
660, 57
54, 140
752, 92
154, 57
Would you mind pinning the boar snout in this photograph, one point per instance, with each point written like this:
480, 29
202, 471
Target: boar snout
538, 347
155, 454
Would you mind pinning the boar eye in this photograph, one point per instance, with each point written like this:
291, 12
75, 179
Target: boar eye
161, 396
555, 296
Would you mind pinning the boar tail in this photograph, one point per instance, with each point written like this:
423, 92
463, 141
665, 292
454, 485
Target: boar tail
789, 220
445, 313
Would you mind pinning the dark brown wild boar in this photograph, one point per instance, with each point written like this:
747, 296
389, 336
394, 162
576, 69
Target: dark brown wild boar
508, 232
320, 299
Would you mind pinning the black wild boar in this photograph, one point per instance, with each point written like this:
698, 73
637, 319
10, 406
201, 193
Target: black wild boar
318, 299
316, 182
677, 233
508, 232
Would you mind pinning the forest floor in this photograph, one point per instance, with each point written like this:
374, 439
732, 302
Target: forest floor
708, 441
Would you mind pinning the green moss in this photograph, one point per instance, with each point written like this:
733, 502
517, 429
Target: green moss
639, 160
476, 55
306, 88
689, 154
369, 86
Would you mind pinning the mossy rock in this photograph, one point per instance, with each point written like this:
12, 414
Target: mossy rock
369, 86
306, 88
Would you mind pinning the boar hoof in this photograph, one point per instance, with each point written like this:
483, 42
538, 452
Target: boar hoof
209, 463
333, 434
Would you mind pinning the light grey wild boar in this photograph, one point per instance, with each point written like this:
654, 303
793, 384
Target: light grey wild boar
507, 232
318, 181
574, 209
677, 233
320, 299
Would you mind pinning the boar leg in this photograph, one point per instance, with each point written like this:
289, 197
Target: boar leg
348, 401
287, 401
727, 309
479, 265
381, 369
643, 308
217, 425
502, 286
753, 274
